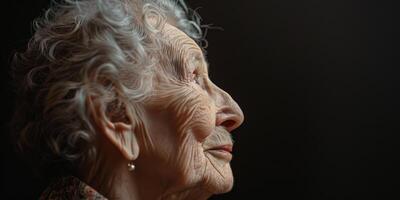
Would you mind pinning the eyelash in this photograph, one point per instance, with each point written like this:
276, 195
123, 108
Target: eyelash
195, 77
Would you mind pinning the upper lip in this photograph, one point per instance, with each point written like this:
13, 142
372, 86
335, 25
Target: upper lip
225, 147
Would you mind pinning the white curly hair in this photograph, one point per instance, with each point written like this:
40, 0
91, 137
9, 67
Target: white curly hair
84, 48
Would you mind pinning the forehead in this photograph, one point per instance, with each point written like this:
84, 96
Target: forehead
179, 41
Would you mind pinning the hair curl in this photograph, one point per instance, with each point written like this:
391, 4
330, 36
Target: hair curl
84, 48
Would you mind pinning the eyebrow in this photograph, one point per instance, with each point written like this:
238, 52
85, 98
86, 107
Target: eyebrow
185, 54
181, 46
199, 57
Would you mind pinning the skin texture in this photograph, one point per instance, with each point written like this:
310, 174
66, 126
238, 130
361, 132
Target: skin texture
178, 135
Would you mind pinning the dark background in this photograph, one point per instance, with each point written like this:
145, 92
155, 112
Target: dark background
317, 81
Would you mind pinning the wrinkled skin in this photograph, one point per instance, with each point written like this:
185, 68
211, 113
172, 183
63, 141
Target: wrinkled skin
186, 116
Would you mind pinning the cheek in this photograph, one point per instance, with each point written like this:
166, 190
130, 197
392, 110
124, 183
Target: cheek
203, 120
181, 120
189, 109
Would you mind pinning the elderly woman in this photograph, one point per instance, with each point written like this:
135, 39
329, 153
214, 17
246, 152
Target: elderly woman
114, 100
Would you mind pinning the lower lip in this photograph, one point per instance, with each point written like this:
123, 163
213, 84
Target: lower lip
219, 153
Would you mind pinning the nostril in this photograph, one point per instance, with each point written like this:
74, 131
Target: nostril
229, 118
228, 124
229, 115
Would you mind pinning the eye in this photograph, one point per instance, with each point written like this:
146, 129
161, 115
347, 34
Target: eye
195, 78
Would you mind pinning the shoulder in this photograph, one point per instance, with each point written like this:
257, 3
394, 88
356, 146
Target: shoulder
70, 188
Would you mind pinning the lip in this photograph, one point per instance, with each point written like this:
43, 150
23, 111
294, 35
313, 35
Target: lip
226, 147
223, 152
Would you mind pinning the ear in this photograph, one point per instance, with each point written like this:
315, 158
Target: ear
120, 134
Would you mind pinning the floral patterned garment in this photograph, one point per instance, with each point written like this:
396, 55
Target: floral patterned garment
70, 188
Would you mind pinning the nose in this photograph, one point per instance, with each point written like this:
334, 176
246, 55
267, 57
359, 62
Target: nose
229, 114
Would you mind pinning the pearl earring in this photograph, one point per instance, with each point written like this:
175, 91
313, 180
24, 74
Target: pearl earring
131, 166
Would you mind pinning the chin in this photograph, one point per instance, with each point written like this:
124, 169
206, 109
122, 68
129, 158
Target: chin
219, 178
225, 185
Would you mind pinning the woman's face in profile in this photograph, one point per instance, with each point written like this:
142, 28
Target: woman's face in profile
188, 120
